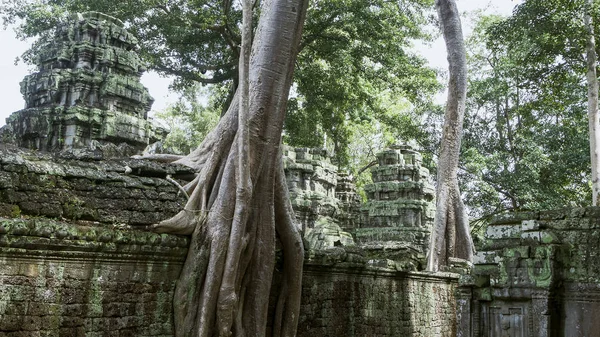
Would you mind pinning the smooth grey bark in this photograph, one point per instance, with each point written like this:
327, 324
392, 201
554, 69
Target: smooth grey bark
450, 235
238, 202
594, 117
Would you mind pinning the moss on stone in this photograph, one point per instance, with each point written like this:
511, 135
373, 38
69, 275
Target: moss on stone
15, 211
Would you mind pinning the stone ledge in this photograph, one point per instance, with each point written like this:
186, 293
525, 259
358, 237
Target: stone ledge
43, 237
358, 260
430, 277
66, 163
78, 185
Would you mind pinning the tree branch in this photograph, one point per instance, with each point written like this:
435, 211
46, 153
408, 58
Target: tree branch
371, 164
192, 75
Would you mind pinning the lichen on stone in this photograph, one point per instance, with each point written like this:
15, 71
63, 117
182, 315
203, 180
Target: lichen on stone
87, 88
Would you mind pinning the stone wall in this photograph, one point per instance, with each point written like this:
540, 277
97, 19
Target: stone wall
537, 274
59, 279
92, 271
110, 192
350, 301
94, 275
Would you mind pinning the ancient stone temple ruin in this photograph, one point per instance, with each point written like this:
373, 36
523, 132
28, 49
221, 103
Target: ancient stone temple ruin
312, 181
399, 211
535, 274
87, 88
76, 258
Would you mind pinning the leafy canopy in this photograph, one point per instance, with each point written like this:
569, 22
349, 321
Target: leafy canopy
191, 118
526, 143
353, 55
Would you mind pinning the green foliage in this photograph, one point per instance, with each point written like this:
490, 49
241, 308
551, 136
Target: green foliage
354, 55
192, 117
526, 142
399, 121
354, 58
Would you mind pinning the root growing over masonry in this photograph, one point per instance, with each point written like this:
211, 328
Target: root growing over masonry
238, 203
226, 279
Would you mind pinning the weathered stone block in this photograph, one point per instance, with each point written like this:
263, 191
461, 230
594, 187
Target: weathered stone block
503, 231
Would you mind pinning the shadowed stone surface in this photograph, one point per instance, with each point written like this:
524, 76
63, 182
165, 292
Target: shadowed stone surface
354, 298
535, 274
61, 279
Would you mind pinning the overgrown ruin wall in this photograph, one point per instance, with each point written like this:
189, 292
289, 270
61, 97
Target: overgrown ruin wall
107, 192
93, 271
117, 282
75, 259
536, 274
59, 279
350, 301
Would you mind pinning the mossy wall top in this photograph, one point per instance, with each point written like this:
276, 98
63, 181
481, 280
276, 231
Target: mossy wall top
93, 271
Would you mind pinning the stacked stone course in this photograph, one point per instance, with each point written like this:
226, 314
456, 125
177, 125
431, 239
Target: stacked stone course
35, 184
349, 211
87, 89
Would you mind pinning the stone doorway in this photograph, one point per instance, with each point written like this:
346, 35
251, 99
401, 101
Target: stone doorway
506, 320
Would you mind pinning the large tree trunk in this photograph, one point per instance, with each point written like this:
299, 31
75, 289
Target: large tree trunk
451, 236
238, 202
594, 118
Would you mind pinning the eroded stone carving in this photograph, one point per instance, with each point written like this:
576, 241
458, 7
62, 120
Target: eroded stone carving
400, 209
87, 88
349, 207
312, 181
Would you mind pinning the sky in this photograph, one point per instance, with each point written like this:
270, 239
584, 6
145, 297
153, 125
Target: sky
11, 75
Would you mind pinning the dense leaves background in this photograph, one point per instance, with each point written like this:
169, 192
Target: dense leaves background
358, 86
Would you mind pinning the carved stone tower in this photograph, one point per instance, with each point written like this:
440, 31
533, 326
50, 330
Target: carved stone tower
345, 192
87, 88
400, 208
312, 180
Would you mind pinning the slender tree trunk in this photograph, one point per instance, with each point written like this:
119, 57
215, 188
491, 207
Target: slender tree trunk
451, 236
594, 117
238, 202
